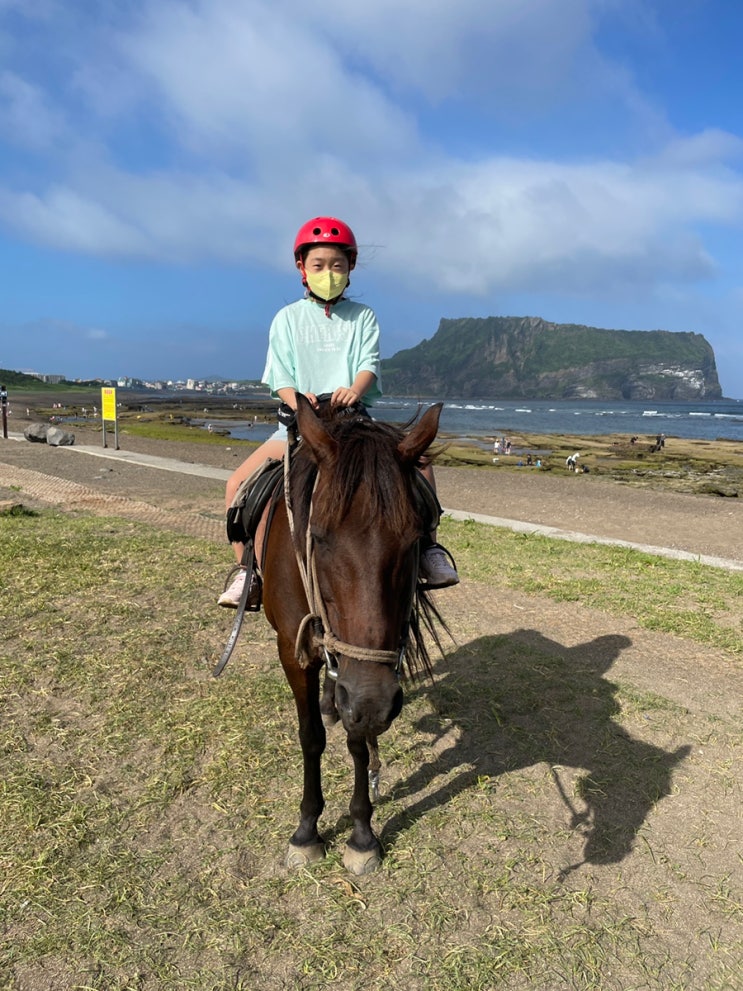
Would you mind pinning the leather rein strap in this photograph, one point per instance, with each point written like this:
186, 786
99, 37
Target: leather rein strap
247, 563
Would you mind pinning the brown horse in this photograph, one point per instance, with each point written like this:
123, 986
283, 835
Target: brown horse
340, 568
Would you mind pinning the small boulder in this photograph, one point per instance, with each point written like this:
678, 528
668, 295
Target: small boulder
58, 437
36, 432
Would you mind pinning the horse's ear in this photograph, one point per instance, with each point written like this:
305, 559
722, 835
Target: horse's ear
422, 435
313, 432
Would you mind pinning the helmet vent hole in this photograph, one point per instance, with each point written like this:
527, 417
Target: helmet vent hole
335, 232
316, 231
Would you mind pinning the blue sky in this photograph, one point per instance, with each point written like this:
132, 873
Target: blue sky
578, 160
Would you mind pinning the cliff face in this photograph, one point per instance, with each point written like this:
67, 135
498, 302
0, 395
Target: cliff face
526, 357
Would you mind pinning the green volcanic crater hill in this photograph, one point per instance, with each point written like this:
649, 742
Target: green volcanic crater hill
527, 357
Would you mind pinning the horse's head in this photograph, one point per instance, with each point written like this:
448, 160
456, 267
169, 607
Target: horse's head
365, 525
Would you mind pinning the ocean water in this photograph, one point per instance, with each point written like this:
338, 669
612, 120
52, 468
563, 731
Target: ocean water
483, 419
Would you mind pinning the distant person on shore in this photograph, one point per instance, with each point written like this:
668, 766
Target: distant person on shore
571, 462
323, 343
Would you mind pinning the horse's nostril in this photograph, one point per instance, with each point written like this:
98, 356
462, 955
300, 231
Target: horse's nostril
376, 714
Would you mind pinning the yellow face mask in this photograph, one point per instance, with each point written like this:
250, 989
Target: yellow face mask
326, 285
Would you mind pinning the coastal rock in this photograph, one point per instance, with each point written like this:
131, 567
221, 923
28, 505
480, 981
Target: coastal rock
529, 358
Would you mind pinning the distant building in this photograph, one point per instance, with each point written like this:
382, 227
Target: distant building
51, 379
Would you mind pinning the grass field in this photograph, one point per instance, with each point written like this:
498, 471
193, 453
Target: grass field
544, 826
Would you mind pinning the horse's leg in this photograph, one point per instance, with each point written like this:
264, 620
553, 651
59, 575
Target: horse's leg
363, 852
306, 845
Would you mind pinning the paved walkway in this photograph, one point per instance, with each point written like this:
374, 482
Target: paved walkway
55, 490
146, 460
64, 491
586, 538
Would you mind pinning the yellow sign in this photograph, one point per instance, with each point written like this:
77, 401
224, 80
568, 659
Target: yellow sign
108, 404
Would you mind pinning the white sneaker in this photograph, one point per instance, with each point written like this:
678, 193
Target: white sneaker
230, 598
436, 568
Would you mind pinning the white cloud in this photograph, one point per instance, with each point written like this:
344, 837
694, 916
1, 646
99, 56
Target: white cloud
71, 220
285, 111
711, 146
500, 224
470, 47
240, 81
519, 224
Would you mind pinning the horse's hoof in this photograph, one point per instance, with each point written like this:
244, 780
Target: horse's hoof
361, 861
301, 856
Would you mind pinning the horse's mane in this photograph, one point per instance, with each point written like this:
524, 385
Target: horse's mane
367, 454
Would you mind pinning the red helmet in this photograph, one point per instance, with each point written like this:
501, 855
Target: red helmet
326, 230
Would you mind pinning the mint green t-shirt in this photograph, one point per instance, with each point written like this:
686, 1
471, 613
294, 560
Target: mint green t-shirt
311, 352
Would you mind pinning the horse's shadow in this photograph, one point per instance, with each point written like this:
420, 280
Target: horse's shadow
508, 702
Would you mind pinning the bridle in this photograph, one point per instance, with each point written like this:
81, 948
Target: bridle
315, 634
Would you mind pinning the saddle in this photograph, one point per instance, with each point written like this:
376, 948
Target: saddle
252, 497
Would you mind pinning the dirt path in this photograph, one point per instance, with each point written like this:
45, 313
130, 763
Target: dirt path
704, 525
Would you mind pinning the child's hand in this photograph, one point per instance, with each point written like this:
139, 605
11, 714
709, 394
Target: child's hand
344, 397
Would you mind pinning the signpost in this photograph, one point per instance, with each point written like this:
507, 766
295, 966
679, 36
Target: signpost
4, 404
108, 414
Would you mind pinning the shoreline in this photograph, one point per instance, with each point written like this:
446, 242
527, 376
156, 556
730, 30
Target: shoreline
144, 404
706, 467
703, 467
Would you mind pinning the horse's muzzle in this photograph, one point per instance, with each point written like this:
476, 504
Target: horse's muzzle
366, 710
